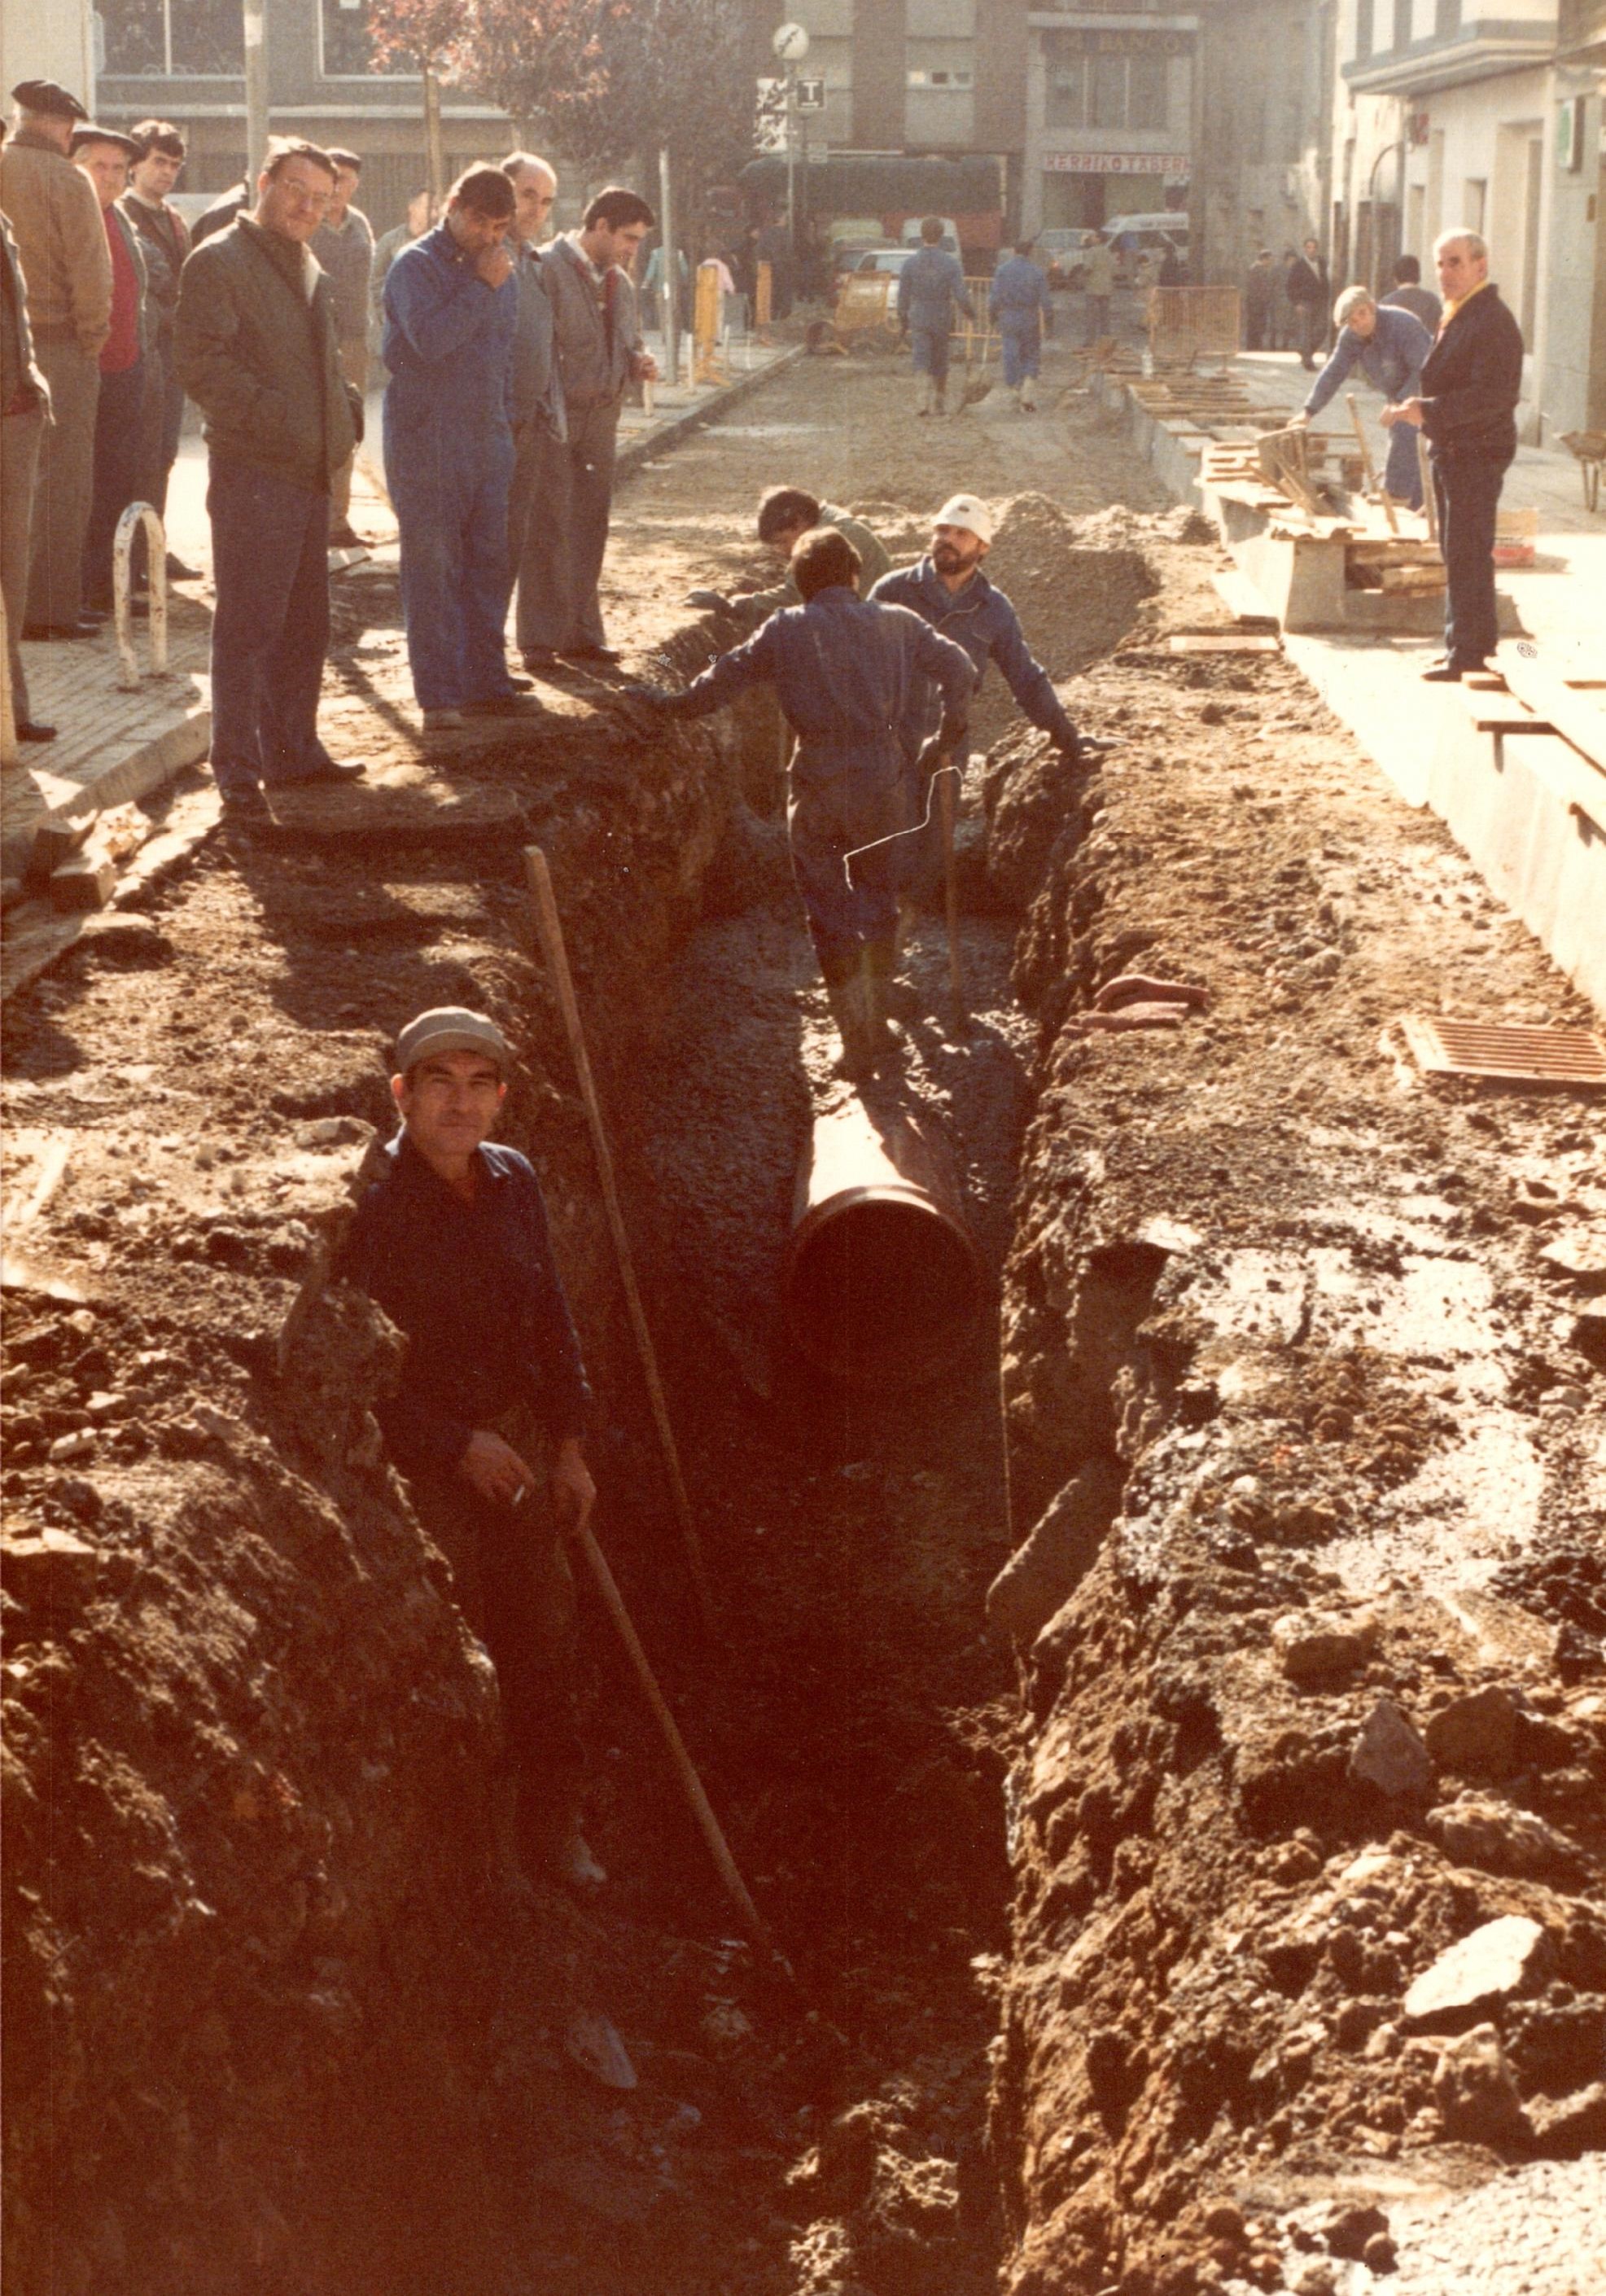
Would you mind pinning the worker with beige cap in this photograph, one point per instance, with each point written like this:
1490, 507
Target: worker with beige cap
948, 589
488, 1419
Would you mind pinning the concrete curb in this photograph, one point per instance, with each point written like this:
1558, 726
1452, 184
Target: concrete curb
631, 458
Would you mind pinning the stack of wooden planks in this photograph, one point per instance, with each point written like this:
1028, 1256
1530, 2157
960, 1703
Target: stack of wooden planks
1401, 563
1517, 696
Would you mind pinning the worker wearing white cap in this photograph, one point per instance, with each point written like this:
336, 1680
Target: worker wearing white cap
948, 589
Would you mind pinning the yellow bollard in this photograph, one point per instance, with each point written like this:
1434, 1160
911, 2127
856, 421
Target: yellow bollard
763, 302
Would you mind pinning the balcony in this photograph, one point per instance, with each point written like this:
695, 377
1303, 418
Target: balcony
1462, 45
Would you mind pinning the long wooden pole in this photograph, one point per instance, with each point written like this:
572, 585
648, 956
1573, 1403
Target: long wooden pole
551, 929
1424, 464
1367, 464
685, 1768
944, 809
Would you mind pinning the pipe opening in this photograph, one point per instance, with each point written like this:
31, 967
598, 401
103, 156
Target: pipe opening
881, 1286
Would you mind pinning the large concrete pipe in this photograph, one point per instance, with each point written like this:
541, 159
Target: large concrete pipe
882, 1280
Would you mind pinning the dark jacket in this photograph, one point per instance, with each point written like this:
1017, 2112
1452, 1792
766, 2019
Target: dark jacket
164, 242
477, 1291
930, 287
982, 620
260, 360
22, 386
1471, 383
1306, 282
849, 676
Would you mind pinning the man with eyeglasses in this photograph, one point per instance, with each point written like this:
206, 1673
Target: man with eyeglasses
256, 348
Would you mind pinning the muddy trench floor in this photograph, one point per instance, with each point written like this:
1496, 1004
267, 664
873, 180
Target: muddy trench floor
853, 1715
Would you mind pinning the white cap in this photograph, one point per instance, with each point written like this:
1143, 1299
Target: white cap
970, 512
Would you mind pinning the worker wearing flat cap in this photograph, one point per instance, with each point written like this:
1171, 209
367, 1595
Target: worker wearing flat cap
948, 589
66, 262
488, 1419
105, 154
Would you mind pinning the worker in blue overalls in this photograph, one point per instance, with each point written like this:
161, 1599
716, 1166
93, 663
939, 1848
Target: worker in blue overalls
849, 676
1390, 345
1019, 306
948, 589
451, 320
930, 288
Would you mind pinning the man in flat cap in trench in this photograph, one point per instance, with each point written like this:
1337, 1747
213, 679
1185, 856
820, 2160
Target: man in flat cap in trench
487, 1421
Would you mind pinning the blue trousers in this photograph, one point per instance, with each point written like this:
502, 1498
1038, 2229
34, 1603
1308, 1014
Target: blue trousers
825, 821
1402, 473
450, 491
270, 625
1468, 495
1022, 351
929, 346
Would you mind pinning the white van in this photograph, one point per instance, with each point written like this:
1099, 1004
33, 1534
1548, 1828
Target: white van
1135, 236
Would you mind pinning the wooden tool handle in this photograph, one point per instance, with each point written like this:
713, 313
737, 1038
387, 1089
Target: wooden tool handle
944, 809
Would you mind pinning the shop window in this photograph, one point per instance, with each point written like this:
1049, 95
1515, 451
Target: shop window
202, 39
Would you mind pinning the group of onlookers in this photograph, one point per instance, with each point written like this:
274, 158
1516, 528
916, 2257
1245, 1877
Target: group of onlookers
90, 402
507, 363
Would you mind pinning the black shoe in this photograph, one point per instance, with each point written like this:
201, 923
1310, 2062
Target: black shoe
1447, 673
520, 684
54, 633
505, 705
177, 571
540, 657
28, 731
243, 808
591, 653
345, 537
328, 770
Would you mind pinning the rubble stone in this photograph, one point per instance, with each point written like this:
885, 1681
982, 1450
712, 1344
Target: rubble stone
1310, 1645
1390, 1756
1493, 1962
1476, 1831
1571, 2124
1475, 1735
1474, 2091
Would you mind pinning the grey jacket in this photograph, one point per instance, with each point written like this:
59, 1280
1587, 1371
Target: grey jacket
756, 606
260, 358
535, 395
595, 359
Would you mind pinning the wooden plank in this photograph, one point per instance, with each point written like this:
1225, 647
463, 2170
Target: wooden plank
1575, 716
1227, 641
1499, 713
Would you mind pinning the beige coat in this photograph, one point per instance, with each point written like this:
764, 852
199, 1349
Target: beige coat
56, 217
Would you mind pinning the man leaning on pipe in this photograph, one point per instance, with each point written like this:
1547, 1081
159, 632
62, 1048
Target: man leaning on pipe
848, 675
948, 589
487, 1421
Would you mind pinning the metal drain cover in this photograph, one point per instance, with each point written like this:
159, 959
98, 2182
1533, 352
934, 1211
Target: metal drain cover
1511, 1056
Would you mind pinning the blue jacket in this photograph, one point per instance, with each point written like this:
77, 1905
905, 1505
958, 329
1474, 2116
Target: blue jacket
1020, 290
987, 625
476, 1290
928, 286
1391, 358
849, 676
448, 339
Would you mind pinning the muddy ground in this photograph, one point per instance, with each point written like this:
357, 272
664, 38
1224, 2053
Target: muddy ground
1061, 1885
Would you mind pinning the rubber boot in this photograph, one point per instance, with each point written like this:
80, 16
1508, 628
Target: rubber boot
877, 961
846, 996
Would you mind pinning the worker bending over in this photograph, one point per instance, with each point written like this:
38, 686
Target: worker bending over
948, 589
488, 1419
849, 675
785, 515
1390, 347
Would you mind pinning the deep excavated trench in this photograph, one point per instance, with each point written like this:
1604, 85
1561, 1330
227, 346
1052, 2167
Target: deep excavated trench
271, 2030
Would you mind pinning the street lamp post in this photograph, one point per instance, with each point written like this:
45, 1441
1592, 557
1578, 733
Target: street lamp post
791, 44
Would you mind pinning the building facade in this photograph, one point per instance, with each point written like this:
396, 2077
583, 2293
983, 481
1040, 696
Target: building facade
1110, 100
184, 60
1264, 102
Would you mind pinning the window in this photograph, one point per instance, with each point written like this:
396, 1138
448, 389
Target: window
347, 50
1146, 92
174, 39
1065, 103
1109, 91
957, 78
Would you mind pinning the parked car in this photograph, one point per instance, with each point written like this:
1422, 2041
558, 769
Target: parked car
848, 254
884, 258
1058, 251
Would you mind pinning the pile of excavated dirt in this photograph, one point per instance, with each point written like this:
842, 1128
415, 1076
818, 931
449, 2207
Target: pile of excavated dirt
1309, 1928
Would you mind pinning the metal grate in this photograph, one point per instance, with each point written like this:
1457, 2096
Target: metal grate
1476, 1048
